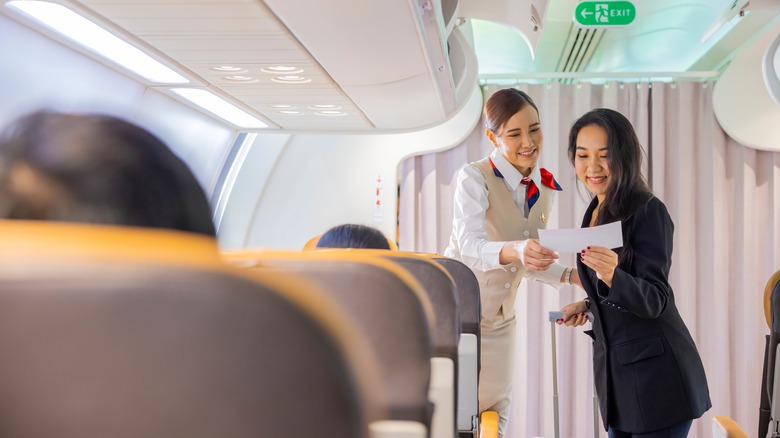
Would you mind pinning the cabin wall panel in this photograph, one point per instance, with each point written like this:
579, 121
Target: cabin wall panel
37, 72
243, 202
322, 180
201, 141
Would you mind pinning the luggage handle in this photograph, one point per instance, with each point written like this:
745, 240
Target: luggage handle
555, 315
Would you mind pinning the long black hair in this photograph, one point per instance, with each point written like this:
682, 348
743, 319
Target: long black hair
97, 169
627, 190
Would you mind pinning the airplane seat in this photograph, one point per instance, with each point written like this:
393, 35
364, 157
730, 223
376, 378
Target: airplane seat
488, 425
391, 310
439, 286
725, 427
126, 332
467, 287
769, 409
311, 244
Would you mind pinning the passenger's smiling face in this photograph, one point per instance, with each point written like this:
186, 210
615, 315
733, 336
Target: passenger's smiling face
591, 162
519, 140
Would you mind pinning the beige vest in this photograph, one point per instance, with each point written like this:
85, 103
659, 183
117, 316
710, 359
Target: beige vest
505, 222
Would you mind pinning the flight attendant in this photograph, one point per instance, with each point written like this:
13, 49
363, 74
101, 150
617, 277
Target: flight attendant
500, 203
649, 376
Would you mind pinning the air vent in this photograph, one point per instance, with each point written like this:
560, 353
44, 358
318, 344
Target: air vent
579, 48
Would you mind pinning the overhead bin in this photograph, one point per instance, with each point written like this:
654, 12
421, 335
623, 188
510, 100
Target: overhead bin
524, 16
745, 99
385, 55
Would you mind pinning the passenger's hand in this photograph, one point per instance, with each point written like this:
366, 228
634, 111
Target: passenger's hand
574, 314
536, 257
602, 260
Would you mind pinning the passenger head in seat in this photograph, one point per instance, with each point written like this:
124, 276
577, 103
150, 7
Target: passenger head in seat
353, 236
96, 169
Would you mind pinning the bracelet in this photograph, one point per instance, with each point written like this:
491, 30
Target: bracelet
567, 276
587, 302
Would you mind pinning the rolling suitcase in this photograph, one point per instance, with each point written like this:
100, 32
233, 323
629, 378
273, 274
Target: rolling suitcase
554, 316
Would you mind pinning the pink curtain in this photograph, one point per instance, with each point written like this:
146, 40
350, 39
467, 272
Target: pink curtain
724, 200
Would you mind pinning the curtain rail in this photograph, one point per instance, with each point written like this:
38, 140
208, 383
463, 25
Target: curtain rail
600, 76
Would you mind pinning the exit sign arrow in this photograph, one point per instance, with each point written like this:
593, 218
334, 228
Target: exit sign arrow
604, 13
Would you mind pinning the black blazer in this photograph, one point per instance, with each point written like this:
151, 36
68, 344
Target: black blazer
648, 373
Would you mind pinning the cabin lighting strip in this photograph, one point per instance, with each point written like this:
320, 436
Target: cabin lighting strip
603, 75
220, 107
97, 39
596, 77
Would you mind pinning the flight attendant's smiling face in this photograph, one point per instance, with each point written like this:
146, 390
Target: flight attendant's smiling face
519, 140
591, 162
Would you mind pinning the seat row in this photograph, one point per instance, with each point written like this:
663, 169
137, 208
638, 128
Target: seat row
137, 332
769, 406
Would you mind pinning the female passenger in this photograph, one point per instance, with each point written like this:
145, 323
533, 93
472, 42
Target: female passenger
649, 376
96, 169
500, 203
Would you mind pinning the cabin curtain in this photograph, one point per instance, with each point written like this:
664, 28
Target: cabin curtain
724, 199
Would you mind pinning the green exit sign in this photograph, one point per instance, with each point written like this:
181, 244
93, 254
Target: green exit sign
604, 14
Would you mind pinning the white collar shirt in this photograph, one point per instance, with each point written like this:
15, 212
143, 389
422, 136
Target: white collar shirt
469, 223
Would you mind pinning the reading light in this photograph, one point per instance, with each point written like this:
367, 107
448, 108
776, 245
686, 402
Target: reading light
93, 37
228, 68
220, 107
276, 69
330, 113
240, 79
324, 107
291, 79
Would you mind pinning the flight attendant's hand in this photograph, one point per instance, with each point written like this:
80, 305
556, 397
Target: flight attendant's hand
534, 256
602, 260
530, 253
574, 314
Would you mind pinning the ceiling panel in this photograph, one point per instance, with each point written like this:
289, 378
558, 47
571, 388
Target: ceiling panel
277, 43
205, 34
377, 51
666, 36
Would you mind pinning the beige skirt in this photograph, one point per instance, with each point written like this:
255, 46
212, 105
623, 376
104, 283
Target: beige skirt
497, 369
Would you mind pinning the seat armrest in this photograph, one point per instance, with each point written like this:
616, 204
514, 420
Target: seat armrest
468, 404
725, 427
442, 394
397, 429
488, 425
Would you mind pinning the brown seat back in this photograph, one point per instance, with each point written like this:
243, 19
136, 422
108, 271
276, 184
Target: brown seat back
110, 331
772, 314
388, 308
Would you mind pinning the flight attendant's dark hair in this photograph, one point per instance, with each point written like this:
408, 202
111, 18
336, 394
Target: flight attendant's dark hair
504, 104
97, 169
627, 190
353, 236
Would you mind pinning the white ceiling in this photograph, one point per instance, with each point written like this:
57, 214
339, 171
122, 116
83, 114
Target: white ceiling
200, 35
665, 37
360, 66
385, 64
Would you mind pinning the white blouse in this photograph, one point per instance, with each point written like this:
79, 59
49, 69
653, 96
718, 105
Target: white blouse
469, 227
